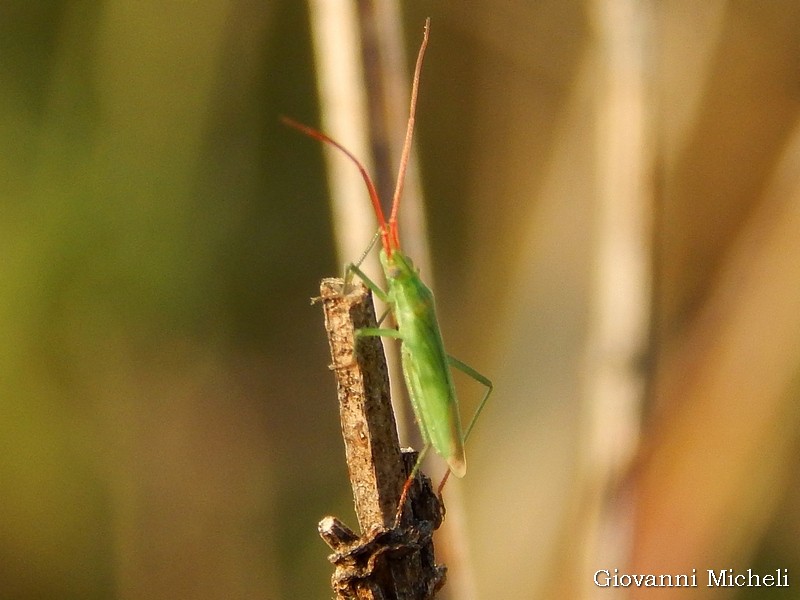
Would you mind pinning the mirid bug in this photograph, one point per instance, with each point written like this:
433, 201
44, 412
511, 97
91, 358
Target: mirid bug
426, 365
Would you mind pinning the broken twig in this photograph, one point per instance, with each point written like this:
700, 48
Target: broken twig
387, 560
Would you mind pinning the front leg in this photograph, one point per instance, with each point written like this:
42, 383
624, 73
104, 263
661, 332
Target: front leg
374, 287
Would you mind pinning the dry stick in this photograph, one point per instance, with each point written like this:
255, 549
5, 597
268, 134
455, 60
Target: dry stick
385, 561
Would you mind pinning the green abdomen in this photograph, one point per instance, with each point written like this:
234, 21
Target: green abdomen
426, 369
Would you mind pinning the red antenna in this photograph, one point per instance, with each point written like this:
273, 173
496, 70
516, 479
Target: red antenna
412, 111
373, 193
390, 239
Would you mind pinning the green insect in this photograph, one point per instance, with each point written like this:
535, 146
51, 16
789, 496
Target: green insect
426, 365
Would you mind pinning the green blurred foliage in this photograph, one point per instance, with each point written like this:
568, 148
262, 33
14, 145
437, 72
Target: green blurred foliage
154, 215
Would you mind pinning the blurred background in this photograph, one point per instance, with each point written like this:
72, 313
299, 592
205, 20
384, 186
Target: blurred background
613, 208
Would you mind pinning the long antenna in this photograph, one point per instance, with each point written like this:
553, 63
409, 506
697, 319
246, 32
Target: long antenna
394, 240
373, 193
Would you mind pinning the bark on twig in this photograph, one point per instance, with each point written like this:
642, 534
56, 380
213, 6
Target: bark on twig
386, 561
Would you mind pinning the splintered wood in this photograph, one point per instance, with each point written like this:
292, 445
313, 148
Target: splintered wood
386, 560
